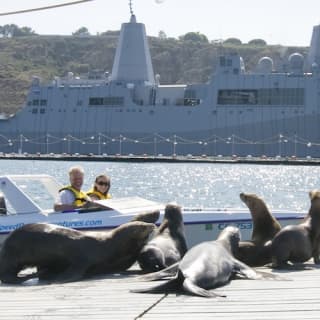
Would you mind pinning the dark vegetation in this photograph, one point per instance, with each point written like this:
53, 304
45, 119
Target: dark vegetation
190, 59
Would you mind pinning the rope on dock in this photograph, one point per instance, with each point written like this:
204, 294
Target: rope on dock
151, 307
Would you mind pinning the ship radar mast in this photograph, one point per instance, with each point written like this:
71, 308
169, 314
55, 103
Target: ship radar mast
133, 17
130, 6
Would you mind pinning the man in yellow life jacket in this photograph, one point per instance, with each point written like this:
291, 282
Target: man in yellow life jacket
71, 197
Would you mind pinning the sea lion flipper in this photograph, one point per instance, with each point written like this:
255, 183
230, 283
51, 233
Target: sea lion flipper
162, 274
271, 276
11, 278
244, 271
191, 287
169, 286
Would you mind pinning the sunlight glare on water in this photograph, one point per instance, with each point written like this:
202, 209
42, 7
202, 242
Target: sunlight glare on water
189, 184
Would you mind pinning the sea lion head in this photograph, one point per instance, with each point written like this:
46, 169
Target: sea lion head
315, 203
314, 195
151, 259
265, 225
148, 216
230, 236
253, 202
173, 214
134, 230
142, 229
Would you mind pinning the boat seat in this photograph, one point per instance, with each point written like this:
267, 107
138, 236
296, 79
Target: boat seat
3, 206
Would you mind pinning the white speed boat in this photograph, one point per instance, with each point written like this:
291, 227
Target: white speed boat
30, 198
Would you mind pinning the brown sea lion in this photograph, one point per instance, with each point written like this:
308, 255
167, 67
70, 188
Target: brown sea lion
299, 243
62, 254
168, 245
257, 252
265, 225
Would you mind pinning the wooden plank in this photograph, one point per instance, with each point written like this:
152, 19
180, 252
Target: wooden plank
109, 298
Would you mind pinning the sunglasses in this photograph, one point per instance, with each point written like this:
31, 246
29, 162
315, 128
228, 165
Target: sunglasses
101, 183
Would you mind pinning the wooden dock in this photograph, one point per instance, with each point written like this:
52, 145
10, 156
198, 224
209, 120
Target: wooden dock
108, 297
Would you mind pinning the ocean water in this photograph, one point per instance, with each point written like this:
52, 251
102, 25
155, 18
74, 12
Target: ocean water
199, 185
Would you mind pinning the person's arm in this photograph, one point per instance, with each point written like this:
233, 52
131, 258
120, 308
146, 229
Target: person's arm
63, 207
64, 201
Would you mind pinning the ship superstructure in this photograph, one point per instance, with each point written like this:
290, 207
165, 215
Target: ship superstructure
129, 111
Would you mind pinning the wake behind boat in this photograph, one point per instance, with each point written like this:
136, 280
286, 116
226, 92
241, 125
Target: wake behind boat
30, 198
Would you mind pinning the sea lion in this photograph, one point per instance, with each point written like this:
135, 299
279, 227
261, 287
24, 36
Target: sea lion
299, 243
265, 225
148, 216
257, 252
62, 254
168, 244
208, 265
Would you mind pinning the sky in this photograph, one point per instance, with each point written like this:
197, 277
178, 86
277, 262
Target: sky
285, 22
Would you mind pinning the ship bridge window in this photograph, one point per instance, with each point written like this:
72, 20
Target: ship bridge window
34, 110
222, 61
234, 97
106, 101
190, 93
269, 96
35, 102
281, 96
96, 101
139, 102
43, 102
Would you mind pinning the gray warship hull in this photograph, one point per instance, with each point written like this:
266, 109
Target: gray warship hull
129, 112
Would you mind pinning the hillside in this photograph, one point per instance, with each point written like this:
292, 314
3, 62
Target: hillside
177, 61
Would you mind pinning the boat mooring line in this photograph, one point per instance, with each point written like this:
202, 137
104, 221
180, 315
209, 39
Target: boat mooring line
151, 307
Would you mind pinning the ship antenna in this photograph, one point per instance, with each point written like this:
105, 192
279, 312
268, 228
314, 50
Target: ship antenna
130, 6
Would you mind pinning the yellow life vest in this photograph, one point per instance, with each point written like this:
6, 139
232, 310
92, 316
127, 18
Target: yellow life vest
98, 194
80, 197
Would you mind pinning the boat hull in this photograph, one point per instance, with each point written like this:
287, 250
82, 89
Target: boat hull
205, 227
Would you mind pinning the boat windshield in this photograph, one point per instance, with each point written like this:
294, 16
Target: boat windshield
40, 191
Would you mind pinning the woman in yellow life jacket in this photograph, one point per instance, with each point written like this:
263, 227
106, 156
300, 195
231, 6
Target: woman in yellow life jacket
100, 189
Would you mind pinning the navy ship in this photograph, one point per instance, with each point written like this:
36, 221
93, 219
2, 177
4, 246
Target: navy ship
129, 112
